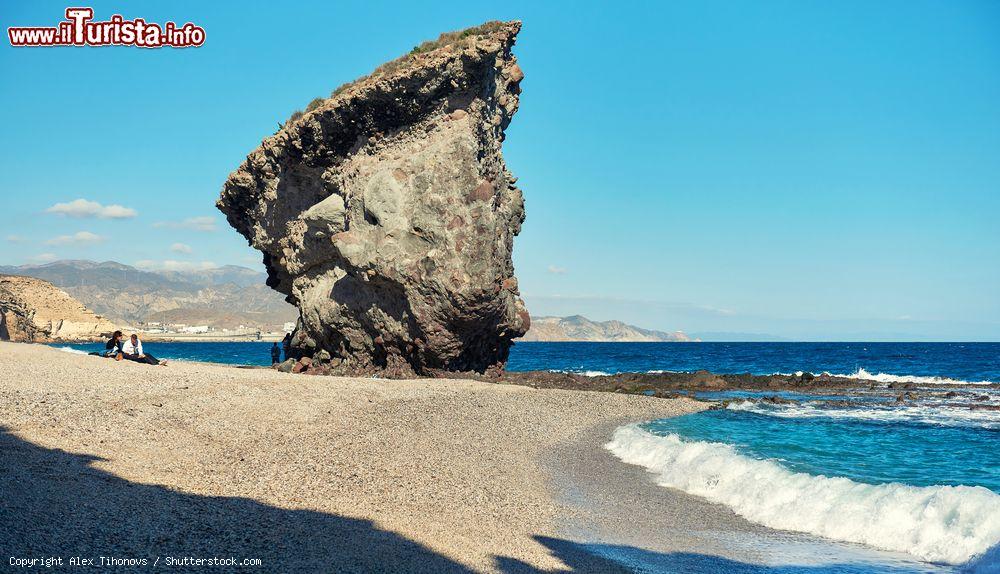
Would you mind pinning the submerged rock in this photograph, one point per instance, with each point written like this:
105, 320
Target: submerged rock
387, 215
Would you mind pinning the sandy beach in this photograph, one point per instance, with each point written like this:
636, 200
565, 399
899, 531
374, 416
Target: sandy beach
303, 473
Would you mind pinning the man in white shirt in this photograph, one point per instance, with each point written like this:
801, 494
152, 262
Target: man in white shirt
132, 350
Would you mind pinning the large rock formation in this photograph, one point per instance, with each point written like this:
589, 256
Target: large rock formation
32, 310
387, 215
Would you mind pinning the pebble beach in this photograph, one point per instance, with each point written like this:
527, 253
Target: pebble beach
300, 473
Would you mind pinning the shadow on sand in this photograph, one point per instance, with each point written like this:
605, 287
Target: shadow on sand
55, 503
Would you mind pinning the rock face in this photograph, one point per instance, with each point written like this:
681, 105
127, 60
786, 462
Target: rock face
386, 213
32, 310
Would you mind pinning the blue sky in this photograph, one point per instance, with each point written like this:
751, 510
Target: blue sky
802, 169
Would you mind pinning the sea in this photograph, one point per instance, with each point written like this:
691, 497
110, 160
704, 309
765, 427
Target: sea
918, 478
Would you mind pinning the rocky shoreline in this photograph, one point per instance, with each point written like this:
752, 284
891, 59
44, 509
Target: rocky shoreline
691, 384
672, 384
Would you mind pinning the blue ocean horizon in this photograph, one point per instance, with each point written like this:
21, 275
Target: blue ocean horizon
970, 362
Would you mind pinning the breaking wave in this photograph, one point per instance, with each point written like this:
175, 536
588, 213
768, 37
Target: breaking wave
72, 350
916, 379
859, 374
950, 524
952, 416
584, 373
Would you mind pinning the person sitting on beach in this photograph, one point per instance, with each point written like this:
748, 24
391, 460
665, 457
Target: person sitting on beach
113, 348
275, 354
132, 350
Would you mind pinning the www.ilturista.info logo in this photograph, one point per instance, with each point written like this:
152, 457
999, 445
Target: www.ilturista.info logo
79, 30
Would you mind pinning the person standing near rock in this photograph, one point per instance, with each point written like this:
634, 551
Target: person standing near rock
275, 354
286, 345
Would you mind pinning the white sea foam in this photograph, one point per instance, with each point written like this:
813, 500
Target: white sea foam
72, 350
916, 379
955, 416
948, 524
584, 373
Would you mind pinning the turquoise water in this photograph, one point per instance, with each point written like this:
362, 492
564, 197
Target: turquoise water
255, 353
973, 362
867, 451
921, 478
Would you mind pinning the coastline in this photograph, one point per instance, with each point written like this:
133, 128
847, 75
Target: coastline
618, 512
198, 338
176, 338
129, 460
369, 474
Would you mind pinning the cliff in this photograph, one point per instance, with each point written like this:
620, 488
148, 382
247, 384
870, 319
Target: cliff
579, 328
32, 310
387, 215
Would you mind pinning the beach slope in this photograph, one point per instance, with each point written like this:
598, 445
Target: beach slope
129, 461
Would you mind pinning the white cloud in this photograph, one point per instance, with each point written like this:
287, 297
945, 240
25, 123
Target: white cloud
86, 208
172, 265
203, 223
78, 238
556, 270
181, 248
44, 257
15, 239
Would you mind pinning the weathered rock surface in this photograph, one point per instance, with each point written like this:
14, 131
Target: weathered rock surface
387, 215
32, 310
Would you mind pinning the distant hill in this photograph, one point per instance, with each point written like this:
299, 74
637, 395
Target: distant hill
225, 297
34, 310
580, 328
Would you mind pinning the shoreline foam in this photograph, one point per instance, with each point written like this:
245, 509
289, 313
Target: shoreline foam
937, 524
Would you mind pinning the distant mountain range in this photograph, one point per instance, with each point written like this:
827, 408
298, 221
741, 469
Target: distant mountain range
224, 297
580, 328
230, 296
